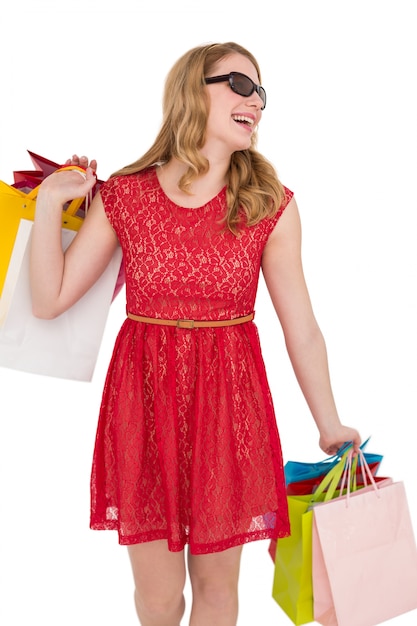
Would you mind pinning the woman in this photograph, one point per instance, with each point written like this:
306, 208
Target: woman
187, 449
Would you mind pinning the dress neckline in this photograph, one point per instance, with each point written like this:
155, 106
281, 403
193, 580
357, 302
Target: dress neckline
222, 192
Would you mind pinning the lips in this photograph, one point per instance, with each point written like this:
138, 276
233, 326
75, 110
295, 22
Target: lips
244, 119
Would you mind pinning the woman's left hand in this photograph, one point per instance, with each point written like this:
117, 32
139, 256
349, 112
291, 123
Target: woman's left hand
330, 443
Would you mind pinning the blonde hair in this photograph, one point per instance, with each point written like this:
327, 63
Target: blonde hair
253, 186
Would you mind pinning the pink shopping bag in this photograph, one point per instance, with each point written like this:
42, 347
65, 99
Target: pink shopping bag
364, 563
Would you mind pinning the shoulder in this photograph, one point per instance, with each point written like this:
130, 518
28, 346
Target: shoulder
124, 194
269, 222
288, 196
126, 184
286, 232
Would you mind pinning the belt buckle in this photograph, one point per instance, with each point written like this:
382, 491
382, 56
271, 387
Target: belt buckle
185, 324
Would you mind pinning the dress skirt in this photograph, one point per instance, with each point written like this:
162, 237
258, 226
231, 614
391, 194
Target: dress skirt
187, 445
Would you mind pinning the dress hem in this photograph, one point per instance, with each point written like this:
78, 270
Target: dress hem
195, 548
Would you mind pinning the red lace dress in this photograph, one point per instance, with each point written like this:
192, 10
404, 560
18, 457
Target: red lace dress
187, 446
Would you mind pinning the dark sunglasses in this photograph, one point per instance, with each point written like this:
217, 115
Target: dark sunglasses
240, 84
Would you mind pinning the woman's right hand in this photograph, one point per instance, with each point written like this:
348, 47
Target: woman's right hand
64, 186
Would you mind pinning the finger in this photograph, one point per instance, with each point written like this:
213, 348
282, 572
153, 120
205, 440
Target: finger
90, 173
82, 188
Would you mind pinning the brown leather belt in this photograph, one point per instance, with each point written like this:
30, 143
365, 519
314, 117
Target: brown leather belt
192, 323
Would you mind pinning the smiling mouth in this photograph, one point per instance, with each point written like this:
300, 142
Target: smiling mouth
242, 119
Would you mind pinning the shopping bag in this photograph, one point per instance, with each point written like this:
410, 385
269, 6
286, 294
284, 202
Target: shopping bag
364, 557
29, 179
65, 347
296, 471
15, 205
302, 478
304, 487
292, 584
23, 206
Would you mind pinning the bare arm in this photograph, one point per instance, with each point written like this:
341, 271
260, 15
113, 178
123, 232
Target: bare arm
58, 280
284, 277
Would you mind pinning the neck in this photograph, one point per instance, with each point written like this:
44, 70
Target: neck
202, 189
216, 175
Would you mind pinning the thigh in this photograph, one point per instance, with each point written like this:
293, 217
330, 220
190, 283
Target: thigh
216, 568
155, 568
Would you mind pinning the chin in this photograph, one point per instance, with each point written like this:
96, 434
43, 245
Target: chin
243, 144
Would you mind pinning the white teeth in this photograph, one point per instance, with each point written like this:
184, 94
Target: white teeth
243, 118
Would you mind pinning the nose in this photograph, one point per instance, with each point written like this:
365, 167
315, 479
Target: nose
255, 100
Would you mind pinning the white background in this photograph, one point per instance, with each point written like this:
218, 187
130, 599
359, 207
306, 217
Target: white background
340, 127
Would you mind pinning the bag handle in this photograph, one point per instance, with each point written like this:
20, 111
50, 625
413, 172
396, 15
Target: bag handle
335, 458
349, 477
366, 473
344, 473
331, 480
75, 204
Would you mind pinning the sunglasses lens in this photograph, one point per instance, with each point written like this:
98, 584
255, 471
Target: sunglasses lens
242, 84
262, 94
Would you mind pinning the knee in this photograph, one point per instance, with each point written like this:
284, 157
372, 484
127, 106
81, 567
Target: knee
160, 607
219, 595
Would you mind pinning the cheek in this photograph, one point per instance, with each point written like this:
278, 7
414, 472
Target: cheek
217, 118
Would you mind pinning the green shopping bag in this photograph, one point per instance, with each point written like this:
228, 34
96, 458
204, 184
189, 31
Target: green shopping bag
293, 585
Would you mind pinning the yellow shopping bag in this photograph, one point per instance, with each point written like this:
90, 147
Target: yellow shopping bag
293, 584
293, 587
15, 205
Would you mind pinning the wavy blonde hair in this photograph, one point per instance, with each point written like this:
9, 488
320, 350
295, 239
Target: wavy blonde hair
253, 185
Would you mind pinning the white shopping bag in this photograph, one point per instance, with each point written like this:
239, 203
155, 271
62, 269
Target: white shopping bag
65, 347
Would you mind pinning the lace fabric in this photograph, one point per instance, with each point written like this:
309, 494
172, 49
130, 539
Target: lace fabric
187, 446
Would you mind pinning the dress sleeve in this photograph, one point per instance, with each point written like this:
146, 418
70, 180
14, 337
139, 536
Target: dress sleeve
272, 222
109, 195
287, 199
